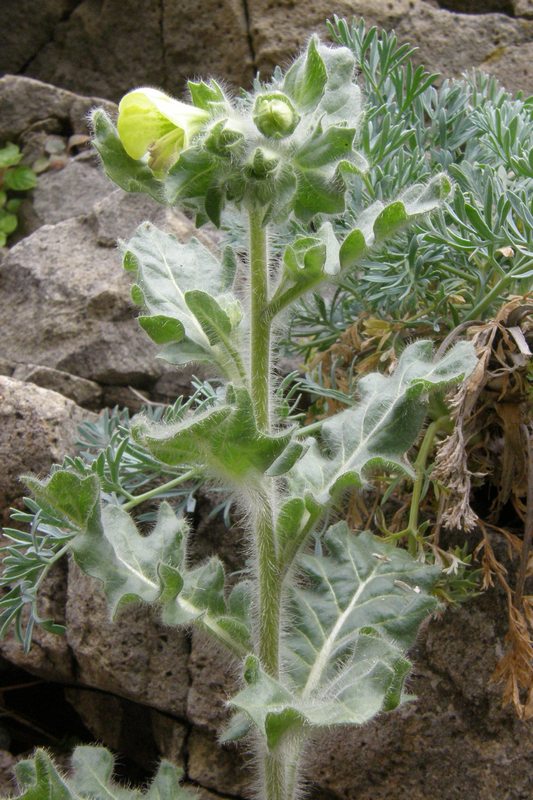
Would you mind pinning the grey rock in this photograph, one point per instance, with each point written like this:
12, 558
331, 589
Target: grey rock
447, 42
67, 307
523, 8
85, 393
210, 687
134, 657
130, 43
512, 65
223, 770
28, 103
70, 192
37, 428
31, 24
140, 733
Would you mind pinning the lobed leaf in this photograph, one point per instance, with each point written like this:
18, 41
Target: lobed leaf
343, 661
181, 287
151, 568
381, 427
225, 439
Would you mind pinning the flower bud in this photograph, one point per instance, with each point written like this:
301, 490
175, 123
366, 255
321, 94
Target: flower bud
274, 115
149, 121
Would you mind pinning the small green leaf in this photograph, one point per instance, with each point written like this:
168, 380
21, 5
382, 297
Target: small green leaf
306, 79
191, 176
318, 193
203, 95
8, 222
129, 262
392, 219
323, 147
352, 249
13, 204
214, 322
10, 155
20, 179
161, 329
137, 295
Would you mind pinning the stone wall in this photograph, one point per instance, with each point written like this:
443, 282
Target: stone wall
106, 47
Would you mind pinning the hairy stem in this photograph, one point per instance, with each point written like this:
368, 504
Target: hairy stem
268, 573
260, 322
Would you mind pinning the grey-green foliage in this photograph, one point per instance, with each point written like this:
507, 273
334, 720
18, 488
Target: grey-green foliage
328, 647
357, 610
91, 778
462, 262
107, 545
183, 290
378, 431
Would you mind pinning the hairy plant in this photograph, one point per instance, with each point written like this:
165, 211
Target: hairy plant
323, 619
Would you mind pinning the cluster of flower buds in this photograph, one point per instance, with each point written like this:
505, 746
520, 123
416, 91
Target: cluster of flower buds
283, 148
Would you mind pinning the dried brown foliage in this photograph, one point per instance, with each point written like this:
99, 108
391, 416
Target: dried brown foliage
483, 473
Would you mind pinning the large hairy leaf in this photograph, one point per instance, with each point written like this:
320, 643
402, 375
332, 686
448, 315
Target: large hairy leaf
225, 440
353, 619
182, 288
91, 778
380, 428
153, 568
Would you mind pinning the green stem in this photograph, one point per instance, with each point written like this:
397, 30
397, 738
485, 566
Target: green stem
420, 469
496, 290
269, 588
275, 783
140, 498
268, 573
260, 321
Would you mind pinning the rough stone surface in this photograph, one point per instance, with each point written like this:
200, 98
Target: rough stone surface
213, 682
134, 656
129, 43
523, 8
220, 769
29, 104
84, 393
163, 43
136, 731
447, 42
37, 428
70, 192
